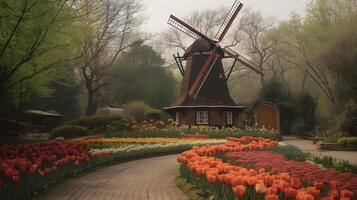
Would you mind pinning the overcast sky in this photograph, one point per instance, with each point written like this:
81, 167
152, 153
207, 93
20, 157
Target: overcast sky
158, 11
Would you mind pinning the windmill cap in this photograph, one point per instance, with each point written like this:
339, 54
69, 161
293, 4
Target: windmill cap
198, 46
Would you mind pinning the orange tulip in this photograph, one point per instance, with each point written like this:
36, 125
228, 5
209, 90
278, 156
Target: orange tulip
295, 183
268, 180
251, 181
260, 187
239, 190
290, 192
261, 170
271, 190
272, 197
313, 191
211, 178
304, 195
237, 181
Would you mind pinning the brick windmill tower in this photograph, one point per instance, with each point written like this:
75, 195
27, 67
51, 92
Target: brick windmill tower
204, 97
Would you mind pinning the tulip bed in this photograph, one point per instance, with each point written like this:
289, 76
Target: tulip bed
28, 168
105, 143
246, 171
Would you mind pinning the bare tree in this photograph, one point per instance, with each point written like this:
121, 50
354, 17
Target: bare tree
111, 27
259, 46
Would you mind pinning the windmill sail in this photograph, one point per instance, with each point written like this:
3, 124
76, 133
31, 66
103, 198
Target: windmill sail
243, 60
203, 74
237, 6
188, 30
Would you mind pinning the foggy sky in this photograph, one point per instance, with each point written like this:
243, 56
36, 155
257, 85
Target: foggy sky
158, 11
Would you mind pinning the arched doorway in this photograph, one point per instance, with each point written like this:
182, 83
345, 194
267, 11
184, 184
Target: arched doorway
267, 115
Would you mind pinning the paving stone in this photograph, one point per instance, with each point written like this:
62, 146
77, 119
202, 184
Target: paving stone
308, 146
146, 179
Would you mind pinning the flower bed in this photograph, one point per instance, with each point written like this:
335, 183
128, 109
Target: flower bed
256, 179
27, 168
307, 172
212, 133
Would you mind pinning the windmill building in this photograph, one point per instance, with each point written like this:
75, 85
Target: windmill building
204, 98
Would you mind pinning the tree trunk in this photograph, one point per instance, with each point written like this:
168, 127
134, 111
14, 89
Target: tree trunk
92, 103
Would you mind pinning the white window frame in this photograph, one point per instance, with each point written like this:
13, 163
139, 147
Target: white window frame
202, 117
177, 118
229, 118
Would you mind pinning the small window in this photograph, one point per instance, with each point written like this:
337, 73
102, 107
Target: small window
202, 118
177, 118
229, 118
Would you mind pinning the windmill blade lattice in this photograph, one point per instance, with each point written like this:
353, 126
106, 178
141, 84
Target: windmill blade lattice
242, 60
202, 75
187, 29
237, 6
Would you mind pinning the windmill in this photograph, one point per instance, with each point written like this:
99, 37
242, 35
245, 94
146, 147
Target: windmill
204, 98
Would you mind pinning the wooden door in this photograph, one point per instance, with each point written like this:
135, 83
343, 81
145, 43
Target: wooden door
267, 116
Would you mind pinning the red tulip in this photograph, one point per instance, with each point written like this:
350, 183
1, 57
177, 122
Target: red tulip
15, 179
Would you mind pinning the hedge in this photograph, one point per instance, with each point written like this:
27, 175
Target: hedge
103, 123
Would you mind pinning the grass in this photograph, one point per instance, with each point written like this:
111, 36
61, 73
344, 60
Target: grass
290, 152
192, 192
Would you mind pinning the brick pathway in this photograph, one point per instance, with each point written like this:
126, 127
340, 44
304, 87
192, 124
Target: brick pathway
307, 146
151, 179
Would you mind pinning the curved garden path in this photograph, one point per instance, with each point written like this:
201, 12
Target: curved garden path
151, 178
307, 146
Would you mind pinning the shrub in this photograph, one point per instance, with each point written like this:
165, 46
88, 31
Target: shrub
12, 128
298, 128
349, 122
297, 111
103, 123
154, 114
70, 131
348, 140
306, 107
136, 110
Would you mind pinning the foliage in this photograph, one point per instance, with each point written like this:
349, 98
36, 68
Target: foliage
63, 96
103, 123
297, 110
37, 43
154, 114
348, 140
136, 110
139, 74
290, 152
306, 108
12, 127
274, 91
330, 162
69, 131
349, 122
189, 189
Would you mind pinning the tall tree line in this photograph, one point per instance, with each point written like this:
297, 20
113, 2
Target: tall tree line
57, 54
